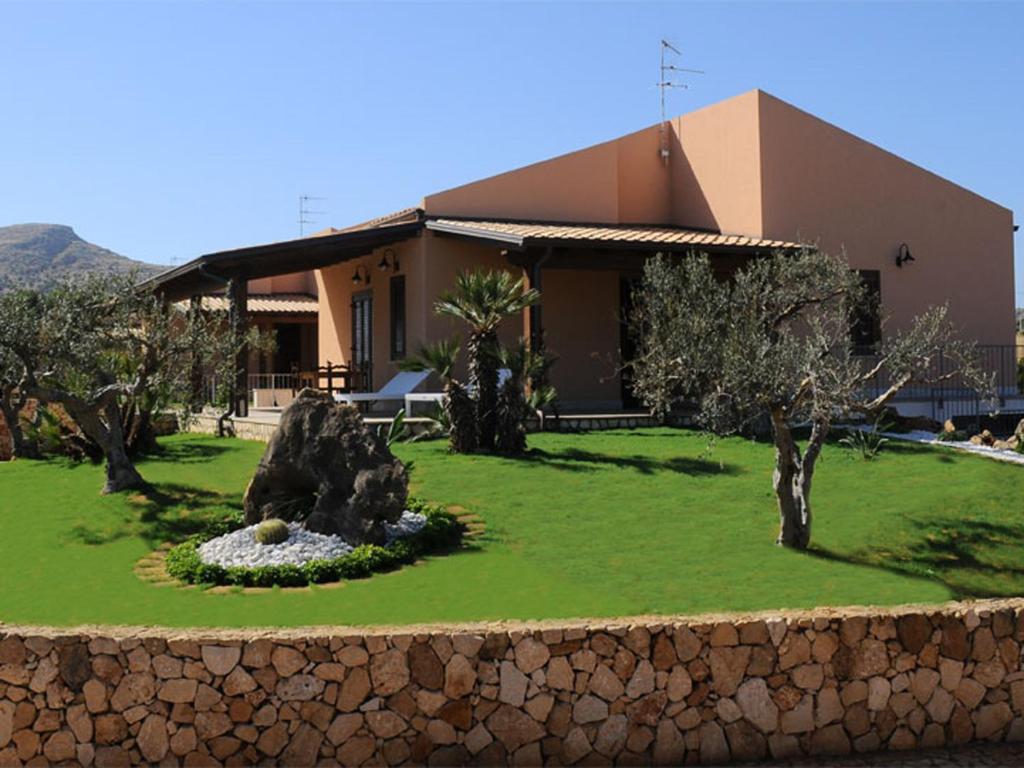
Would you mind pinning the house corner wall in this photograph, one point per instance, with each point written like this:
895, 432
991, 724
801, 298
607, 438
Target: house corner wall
824, 185
716, 167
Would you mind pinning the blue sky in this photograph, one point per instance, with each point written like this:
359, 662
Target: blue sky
164, 131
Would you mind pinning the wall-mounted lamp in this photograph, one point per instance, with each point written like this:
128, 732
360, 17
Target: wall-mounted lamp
358, 279
388, 260
904, 256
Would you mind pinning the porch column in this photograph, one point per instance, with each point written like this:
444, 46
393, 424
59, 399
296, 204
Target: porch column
238, 320
535, 324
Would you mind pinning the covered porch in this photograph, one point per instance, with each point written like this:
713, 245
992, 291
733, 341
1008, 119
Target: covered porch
378, 282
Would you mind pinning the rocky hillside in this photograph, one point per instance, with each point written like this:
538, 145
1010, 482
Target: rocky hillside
40, 255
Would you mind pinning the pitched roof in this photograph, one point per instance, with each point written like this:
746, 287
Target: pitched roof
207, 273
521, 234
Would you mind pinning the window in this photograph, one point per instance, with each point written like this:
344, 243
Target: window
362, 329
866, 329
397, 305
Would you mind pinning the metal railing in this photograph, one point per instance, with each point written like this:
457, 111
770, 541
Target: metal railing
274, 381
953, 397
330, 378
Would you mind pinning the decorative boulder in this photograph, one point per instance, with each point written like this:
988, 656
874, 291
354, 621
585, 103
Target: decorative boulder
324, 466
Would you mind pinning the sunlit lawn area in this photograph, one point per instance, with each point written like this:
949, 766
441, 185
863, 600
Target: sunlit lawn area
604, 524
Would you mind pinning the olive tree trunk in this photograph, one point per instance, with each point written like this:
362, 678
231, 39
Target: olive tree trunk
11, 409
792, 478
100, 420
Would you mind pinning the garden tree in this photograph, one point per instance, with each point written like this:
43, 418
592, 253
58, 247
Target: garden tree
514, 404
482, 299
101, 348
774, 342
13, 397
458, 407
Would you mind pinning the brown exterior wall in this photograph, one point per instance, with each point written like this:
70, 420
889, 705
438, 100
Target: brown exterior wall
430, 264
335, 296
662, 691
295, 282
619, 181
716, 167
580, 313
822, 184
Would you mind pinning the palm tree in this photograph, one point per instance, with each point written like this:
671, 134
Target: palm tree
458, 406
514, 406
482, 299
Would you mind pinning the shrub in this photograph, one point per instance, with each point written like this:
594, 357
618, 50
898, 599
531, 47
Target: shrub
272, 531
441, 532
956, 436
867, 443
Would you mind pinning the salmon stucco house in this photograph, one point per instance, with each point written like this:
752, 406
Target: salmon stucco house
736, 179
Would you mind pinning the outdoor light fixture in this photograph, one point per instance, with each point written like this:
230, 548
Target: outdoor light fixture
904, 256
388, 259
359, 279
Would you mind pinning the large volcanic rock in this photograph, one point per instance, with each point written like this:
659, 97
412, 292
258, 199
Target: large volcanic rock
324, 465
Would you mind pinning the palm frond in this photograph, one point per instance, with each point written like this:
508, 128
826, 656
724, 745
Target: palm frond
482, 298
439, 357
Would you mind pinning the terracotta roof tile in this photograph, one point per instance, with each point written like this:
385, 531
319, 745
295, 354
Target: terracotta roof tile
522, 231
266, 304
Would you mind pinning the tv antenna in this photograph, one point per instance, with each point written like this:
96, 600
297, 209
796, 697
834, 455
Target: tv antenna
667, 80
305, 212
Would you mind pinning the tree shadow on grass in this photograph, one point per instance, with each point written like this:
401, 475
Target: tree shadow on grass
578, 460
971, 558
166, 512
190, 452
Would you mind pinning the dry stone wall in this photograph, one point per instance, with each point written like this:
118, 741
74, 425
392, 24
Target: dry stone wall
665, 692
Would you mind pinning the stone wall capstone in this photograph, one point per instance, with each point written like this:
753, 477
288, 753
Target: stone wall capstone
662, 691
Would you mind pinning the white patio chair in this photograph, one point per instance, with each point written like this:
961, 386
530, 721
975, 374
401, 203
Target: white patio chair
400, 386
438, 397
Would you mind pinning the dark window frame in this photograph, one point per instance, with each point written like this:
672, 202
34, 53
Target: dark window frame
866, 326
362, 328
397, 317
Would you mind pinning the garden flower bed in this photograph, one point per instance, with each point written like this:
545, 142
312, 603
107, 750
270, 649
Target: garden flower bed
424, 529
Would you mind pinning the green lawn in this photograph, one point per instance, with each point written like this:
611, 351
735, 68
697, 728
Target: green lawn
605, 524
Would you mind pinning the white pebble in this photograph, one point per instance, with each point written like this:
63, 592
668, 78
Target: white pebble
240, 548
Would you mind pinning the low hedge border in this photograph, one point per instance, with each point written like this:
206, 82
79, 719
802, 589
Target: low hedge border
441, 532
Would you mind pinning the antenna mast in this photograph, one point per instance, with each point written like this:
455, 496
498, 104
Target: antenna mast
664, 83
305, 212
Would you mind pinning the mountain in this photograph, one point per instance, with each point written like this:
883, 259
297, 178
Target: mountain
41, 255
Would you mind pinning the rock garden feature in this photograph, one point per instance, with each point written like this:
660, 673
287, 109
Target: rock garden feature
325, 469
328, 501
296, 545
230, 553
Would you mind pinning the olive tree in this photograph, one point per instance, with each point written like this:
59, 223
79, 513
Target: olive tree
773, 344
12, 400
108, 353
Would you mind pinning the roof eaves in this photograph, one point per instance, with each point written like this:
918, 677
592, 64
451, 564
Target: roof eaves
453, 228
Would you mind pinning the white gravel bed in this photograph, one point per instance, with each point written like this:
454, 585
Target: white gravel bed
921, 436
240, 548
